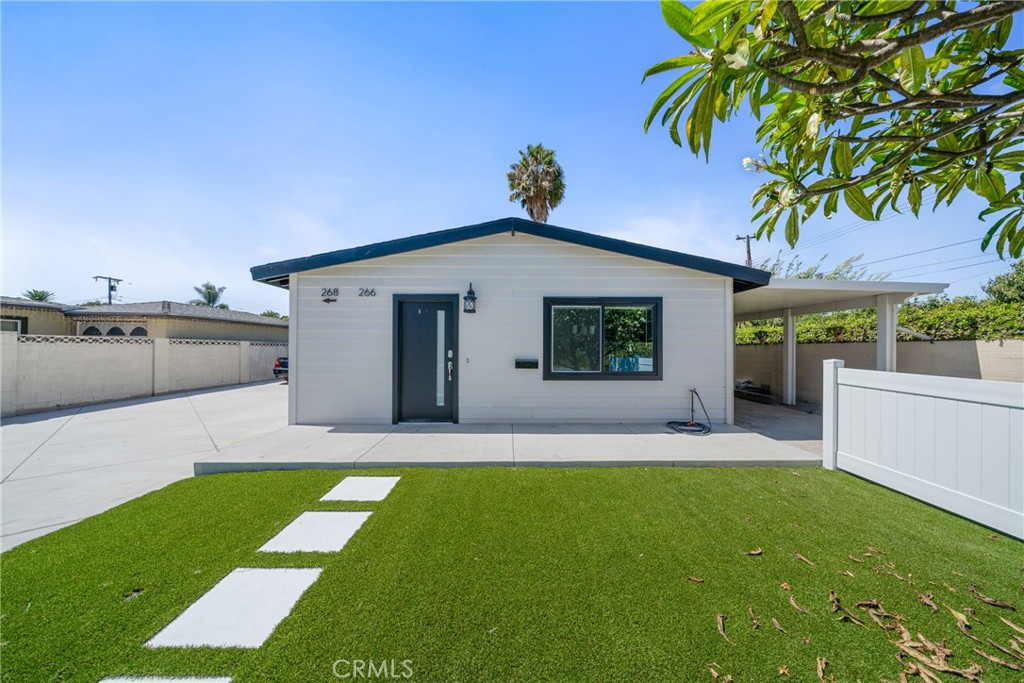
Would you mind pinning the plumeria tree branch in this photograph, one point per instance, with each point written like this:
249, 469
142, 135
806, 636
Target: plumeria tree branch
858, 100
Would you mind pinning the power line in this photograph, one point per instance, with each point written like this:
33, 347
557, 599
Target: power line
944, 270
915, 253
852, 227
939, 263
971, 277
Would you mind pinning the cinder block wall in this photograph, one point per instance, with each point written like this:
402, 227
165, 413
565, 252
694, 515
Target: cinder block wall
1001, 361
47, 372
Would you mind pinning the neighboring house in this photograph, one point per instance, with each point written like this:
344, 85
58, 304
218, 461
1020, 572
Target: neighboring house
169, 320
25, 316
159, 319
567, 326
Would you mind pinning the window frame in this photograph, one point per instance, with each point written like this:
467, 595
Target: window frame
656, 304
22, 323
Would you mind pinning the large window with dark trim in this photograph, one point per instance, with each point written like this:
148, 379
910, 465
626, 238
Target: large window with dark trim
602, 338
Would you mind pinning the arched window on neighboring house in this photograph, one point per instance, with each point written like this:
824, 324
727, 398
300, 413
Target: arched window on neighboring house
92, 331
138, 332
115, 332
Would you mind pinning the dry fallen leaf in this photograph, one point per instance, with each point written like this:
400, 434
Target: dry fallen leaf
806, 639
948, 587
777, 625
785, 586
804, 559
962, 623
873, 549
753, 618
926, 600
1012, 625
720, 619
797, 607
1001, 662
989, 601
755, 551
846, 614
993, 537
856, 559
822, 665
845, 572
783, 670
1003, 649
915, 669
956, 573
695, 579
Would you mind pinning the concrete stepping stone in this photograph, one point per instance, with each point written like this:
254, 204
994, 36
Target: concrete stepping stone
150, 679
361, 489
240, 611
316, 532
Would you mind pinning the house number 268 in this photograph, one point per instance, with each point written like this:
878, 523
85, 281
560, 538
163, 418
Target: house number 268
367, 292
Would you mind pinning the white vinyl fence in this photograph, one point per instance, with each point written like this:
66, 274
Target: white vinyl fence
955, 443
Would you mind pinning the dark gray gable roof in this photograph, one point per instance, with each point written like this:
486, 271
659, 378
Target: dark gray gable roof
277, 273
170, 309
18, 302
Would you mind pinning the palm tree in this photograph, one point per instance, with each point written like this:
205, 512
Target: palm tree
38, 294
536, 181
209, 295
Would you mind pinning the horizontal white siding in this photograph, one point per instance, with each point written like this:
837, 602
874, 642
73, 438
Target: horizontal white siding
342, 368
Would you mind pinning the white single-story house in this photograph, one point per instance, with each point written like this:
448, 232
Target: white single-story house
510, 321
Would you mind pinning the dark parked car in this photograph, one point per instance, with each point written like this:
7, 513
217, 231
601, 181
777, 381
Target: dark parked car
281, 367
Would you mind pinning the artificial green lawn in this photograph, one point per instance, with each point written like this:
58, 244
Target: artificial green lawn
516, 575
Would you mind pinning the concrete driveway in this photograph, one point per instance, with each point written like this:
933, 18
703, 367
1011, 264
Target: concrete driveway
62, 466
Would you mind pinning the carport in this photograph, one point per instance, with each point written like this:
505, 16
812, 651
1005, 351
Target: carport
787, 299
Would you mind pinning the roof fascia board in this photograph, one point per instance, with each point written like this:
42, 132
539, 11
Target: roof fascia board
277, 273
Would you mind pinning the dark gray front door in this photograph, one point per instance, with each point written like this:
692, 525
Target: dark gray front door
426, 357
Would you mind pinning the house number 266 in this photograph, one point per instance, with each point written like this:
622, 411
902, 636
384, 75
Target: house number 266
367, 292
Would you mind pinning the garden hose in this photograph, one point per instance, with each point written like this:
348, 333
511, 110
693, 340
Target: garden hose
692, 427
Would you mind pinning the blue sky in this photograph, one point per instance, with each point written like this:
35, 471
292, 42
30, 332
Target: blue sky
170, 144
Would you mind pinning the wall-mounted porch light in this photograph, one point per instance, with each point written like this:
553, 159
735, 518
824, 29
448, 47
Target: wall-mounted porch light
469, 301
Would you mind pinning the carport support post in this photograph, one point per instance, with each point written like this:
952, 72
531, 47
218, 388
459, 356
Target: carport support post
788, 357
888, 311
830, 413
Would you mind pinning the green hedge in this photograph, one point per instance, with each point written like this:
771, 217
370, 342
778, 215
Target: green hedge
942, 318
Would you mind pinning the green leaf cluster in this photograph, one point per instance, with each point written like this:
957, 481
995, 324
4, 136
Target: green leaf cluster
875, 104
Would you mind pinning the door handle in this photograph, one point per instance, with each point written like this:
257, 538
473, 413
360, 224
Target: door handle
450, 367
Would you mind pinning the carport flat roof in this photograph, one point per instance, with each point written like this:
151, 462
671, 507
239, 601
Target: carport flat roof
819, 296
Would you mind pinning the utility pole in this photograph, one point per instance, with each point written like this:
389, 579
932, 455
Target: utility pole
747, 238
111, 285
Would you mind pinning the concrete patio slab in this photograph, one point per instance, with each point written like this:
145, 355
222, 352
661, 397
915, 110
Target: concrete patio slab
240, 611
316, 532
797, 426
362, 489
442, 445
506, 445
584, 445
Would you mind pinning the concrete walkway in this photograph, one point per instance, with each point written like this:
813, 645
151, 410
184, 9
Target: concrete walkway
62, 466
